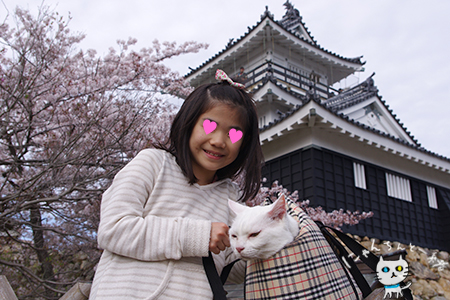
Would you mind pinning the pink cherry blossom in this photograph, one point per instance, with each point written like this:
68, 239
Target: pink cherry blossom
335, 219
70, 119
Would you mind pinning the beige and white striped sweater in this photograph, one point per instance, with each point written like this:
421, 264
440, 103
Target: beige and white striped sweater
154, 229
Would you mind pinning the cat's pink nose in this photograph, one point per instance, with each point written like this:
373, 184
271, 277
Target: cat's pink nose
239, 249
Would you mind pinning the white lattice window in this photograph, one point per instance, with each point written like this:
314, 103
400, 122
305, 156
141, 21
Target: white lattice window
262, 121
432, 200
398, 187
360, 175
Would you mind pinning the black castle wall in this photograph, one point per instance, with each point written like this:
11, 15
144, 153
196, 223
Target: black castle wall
326, 178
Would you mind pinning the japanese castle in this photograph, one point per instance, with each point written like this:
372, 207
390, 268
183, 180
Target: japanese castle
337, 148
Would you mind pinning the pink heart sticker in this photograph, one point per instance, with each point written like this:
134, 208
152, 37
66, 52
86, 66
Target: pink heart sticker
209, 126
235, 135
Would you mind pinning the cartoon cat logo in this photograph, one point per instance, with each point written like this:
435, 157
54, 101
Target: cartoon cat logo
390, 274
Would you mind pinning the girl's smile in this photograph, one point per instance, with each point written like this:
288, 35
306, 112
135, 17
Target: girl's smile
213, 155
213, 151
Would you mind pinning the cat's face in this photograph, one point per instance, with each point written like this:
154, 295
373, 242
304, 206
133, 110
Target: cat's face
392, 272
259, 232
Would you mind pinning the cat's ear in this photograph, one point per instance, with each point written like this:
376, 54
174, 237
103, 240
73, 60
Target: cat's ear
278, 210
236, 207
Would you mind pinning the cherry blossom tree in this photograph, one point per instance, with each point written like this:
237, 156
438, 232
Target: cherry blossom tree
69, 121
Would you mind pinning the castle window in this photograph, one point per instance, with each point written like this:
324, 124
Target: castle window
262, 122
432, 200
398, 187
360, 175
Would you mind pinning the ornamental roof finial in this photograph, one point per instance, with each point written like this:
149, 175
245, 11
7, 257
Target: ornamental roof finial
291, 12
267, 13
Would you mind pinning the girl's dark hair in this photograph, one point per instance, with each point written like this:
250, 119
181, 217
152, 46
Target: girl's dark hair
250, 158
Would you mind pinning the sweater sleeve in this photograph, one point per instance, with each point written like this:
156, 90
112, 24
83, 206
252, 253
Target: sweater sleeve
124, 229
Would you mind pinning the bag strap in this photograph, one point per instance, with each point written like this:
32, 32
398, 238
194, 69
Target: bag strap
367, 257
347, 263
226, 271
215, 281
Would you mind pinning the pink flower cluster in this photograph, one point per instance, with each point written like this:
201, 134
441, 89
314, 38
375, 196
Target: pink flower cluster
334, 219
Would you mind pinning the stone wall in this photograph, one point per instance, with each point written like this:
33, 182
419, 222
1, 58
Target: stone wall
429, 268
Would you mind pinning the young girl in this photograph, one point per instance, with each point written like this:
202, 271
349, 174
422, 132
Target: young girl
168, 207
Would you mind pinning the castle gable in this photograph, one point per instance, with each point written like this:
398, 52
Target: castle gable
362, 104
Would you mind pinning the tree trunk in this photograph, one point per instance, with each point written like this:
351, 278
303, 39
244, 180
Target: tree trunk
39, 247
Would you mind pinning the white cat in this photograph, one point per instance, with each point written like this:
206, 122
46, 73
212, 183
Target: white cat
261, 231
390, 274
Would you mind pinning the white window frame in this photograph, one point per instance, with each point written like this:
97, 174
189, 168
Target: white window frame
432, 199
398, 187
360, 175
262, 121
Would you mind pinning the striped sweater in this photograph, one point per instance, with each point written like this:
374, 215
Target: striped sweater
154, 229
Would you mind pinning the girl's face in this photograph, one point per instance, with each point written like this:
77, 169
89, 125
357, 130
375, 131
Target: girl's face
211, 151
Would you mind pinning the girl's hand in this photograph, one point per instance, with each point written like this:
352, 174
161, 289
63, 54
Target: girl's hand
219, 239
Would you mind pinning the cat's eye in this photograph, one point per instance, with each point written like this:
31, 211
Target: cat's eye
233, 236
255, 234
399, 268
385, 269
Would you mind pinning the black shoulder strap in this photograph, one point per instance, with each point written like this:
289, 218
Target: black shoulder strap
346, 261
367, 257
226, 271
213, 278
215, 281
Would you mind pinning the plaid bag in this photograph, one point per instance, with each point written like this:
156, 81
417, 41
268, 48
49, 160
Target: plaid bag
306, 268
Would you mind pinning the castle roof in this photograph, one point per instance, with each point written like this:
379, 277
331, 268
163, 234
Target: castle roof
290, 32
337, 105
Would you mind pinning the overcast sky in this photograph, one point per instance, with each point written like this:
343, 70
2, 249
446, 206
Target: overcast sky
405, 42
